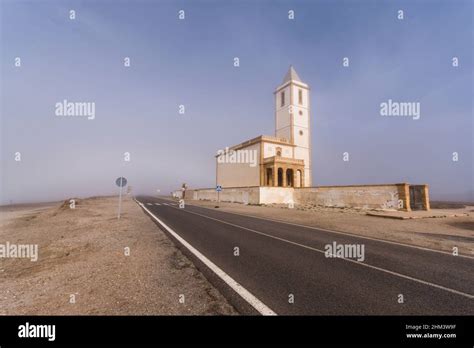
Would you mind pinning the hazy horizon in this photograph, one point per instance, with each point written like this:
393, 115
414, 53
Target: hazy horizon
190, 62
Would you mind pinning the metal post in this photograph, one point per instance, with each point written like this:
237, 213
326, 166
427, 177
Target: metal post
120, 198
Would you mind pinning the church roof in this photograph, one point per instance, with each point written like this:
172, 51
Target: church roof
291, 75
259, 139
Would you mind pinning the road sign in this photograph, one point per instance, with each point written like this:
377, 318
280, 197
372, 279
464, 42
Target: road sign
218, 189
121, 182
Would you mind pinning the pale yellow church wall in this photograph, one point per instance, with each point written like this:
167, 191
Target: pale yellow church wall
284, 133
301, 140
296, 87
308, 182
304, 154
364, 196
282, 123
386, 197
301, 124
240, 174
278, 98
278, 195
240, 195
269, 150
245, 195
301, 120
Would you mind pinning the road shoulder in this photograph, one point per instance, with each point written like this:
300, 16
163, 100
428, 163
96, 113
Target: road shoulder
82, 255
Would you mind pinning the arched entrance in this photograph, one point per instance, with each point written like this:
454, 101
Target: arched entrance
269, 181
289, 178
299, 179
280, 177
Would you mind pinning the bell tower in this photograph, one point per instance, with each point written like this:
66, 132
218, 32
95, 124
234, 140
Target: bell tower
292, 118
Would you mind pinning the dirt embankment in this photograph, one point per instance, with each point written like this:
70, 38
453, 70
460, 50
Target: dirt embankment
83, 266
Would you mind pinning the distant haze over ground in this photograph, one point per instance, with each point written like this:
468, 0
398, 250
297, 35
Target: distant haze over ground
190, 62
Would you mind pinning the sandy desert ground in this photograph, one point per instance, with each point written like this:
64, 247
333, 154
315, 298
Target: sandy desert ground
440, 233
82, 253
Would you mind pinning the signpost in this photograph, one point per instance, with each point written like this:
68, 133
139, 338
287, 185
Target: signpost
120, 182
218, 189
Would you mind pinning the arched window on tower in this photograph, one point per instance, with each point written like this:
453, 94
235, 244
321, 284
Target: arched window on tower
282, 98
300, 97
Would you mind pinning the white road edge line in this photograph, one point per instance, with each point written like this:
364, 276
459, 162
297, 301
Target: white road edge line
339, 232
342, 258
239, 289
157, 204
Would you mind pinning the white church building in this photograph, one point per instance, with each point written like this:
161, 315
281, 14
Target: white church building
277, 169
282, 160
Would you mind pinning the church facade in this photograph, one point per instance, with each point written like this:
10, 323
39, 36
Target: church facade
282, 160
277, 169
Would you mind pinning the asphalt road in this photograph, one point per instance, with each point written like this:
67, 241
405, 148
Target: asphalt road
286, 270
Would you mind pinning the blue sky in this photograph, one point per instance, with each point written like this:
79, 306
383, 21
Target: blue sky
190, 62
